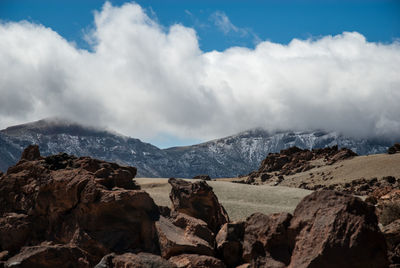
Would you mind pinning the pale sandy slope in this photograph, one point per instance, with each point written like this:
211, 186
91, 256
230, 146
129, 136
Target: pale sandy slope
240, 200
368, 167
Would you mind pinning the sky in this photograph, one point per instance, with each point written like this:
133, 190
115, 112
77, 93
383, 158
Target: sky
189, 71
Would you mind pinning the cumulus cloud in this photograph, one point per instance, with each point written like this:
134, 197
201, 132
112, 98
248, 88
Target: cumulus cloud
142, 79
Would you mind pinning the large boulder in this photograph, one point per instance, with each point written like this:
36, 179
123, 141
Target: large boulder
392, 236
174, 240
49, 255
198, 200
394, 149
196, 261
92, 205
266, 239
331, 229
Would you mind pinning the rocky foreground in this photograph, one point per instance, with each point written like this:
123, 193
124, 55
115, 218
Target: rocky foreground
64, 211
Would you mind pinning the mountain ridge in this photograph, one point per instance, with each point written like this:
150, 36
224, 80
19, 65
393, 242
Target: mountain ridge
230, 156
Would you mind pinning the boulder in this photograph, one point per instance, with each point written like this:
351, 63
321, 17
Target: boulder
174, 240
394, 149
331, 229
229, 243
196, 261
49, 255
392, 236
266, 238
202, 177
134, 261
31, 153
198, 200
80, 202
194, 227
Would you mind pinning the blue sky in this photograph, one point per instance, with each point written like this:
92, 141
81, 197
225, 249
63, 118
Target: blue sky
278, 62
277, 21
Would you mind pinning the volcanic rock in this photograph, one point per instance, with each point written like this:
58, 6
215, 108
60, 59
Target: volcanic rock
60, 199
196, 261
294, 160
331, 229
198, 200
392, 236
266, 238
202, 177
394, 149
49, 255
174, 240
134, 261
229, 243
195, 227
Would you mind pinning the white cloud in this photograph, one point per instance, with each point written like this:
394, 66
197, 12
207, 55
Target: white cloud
143, 79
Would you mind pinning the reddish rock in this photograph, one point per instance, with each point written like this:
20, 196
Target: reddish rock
130, 260
229, 243
198, 200
195, 227
49, 255
31, 153
174, 240
60, 199
392, 236
331, 229
196, 261
266, 238
294, 160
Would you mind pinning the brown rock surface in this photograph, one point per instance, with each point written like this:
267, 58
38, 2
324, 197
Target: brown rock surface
294, 160
196, 261
392, 236
331, 229
266, 238
130, 260
61, 199
229, 243
198, 200
174, 240
195, 227
49, 255
202, 177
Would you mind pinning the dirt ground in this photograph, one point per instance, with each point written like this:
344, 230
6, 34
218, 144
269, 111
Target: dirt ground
239, 200
368, 167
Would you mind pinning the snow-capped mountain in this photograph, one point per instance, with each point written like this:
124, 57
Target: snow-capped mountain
226, 157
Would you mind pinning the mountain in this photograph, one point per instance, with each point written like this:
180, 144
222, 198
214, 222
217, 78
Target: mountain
226, 157
55, 135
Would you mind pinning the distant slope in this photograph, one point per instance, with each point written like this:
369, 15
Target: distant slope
226, 157
242, 153
54, 136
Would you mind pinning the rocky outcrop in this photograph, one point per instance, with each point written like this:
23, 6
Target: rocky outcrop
294, 160
64, 211
394, 149
92, 206
331, 229
202, 177
392, 236
199, 201
49, 255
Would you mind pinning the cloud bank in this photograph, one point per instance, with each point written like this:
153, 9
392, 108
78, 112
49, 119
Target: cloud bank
143, 79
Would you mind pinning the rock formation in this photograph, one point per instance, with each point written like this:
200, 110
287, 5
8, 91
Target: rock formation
294, 160
198, 200
394, 149
64, 211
